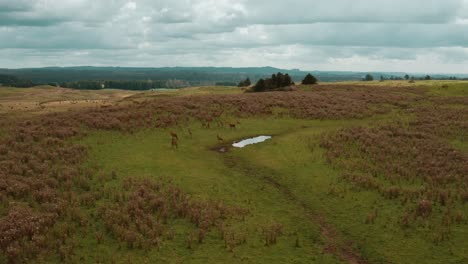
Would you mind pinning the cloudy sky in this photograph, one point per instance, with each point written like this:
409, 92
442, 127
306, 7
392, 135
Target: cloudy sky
357, 35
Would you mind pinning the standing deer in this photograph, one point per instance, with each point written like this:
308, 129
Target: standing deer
174, 143
220, 139
174, 135
232, 126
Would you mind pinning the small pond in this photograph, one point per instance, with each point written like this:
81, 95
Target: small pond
250, 141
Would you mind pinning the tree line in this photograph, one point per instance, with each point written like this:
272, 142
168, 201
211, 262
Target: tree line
13, 81
406, 77
126, 85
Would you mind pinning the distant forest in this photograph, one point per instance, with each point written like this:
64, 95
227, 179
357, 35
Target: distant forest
126, 85
10, 80
176, 77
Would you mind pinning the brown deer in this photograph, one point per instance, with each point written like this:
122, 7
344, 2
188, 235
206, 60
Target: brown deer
206, 125
174, 135
232, 126
174, 143
220, 139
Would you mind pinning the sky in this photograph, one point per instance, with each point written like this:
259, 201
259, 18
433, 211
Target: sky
427, 36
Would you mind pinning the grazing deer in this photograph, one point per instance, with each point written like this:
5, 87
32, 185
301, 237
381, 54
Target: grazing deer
220, 139
174, 143
174, 135
190, 132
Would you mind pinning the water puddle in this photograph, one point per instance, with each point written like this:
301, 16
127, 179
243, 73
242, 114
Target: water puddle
250, 141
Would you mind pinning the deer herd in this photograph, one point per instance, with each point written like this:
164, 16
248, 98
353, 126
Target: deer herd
206, 124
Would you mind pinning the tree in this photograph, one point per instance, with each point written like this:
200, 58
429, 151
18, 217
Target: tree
260, 86
276, 83
407, 77
382, 78
244, 83
428, 77
368, 78
309, 79
287, 81
247, 82
279, 80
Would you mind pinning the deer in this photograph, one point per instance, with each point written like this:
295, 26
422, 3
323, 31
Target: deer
217, 116
206, 125
174, 135
220, 139
174, 143
233, 125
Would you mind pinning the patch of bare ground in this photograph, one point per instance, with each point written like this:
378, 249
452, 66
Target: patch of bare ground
43, 100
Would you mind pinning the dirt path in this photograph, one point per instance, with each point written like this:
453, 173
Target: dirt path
335, 244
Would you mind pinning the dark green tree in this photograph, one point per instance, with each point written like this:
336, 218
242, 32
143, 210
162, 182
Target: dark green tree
309, 79
275, 83
260, 86
279, 80
407, 77
368, 78
244, 83
287, 81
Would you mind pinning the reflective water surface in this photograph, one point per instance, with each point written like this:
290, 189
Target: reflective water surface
250, 141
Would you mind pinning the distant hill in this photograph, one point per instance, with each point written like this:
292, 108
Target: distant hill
193, 75
187, 76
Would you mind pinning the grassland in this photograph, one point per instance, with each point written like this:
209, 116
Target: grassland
341, 180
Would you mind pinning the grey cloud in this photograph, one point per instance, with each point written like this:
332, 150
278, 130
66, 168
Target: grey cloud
387, 11
295, 33
346, 34
14, 6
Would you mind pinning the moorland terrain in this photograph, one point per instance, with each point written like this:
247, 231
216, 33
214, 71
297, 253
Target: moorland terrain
355, 172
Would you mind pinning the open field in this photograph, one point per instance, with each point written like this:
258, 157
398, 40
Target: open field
354, 173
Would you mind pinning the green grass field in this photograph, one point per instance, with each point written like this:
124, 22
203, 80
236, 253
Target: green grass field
286, 180
295, 161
